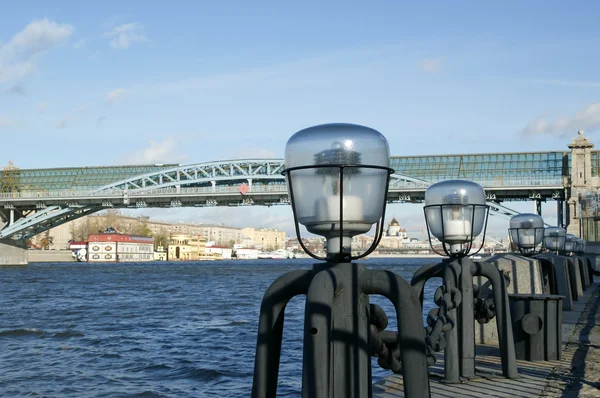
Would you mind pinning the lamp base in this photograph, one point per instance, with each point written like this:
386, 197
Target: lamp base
333, 245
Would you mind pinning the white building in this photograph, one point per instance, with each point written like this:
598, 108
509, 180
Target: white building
245, 253
223, 251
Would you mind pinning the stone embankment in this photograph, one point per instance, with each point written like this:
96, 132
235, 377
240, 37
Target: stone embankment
49, 256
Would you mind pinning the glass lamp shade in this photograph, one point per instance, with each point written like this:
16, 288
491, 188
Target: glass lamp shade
570, 241
526, 230
579, 246
554, 238
354, 187
455, 210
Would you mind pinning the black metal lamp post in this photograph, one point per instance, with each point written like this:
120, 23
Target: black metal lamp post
456, 213
526, 233
337, 176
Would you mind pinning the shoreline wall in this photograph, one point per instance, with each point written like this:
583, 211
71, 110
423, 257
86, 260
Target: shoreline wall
50, 256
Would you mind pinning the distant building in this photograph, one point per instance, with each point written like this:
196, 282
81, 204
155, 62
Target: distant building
160, 254
121, 248
361, 242
246, 253
266, 239
221, 235
184, 247
222, 252
395, 237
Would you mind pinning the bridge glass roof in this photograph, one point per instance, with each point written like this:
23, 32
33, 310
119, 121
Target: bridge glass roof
491, 169
74, 178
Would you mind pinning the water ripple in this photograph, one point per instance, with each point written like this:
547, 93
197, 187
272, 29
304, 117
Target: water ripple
148, 330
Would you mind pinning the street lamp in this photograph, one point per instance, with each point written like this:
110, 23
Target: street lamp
337, 177
579, 246
554, 239
527, 232
455, 213
570, 241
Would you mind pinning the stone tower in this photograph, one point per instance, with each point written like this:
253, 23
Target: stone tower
581, 180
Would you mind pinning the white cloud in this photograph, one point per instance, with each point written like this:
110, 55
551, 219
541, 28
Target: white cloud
114, 95
5, 121
17, 89
79, 43
41, 107
64, 123
431, 65
124, 36
18, 56
587, 118
165, 151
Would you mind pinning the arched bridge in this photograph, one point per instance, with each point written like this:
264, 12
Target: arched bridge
34, 200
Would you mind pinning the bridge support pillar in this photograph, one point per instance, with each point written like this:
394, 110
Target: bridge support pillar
560, 218
581, 181
12, 252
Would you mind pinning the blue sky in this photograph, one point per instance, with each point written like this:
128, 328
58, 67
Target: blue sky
112, 82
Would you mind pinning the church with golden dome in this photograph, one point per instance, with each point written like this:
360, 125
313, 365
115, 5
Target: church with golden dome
395, 236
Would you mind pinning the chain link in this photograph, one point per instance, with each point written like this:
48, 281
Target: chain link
439, 320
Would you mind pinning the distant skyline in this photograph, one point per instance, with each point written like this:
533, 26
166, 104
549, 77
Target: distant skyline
86, 84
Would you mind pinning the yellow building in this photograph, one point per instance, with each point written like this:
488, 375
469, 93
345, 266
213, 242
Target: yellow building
266, 239
186, 247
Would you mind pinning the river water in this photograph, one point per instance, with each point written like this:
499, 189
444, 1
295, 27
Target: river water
149, 330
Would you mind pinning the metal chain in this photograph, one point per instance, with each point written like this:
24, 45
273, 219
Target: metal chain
484, 305
439, 321
383, 343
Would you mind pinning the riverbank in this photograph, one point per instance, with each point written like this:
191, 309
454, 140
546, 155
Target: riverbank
50, 256
64, 256
577, 374
403, 256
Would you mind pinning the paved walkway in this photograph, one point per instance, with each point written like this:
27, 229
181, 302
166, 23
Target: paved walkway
577, 374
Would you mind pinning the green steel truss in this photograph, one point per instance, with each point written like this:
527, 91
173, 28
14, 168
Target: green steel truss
39, 199
490, 170
70, 178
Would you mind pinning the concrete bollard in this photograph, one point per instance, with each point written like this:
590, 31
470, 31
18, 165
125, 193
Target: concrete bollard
576, 279
526, 277
562, 277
